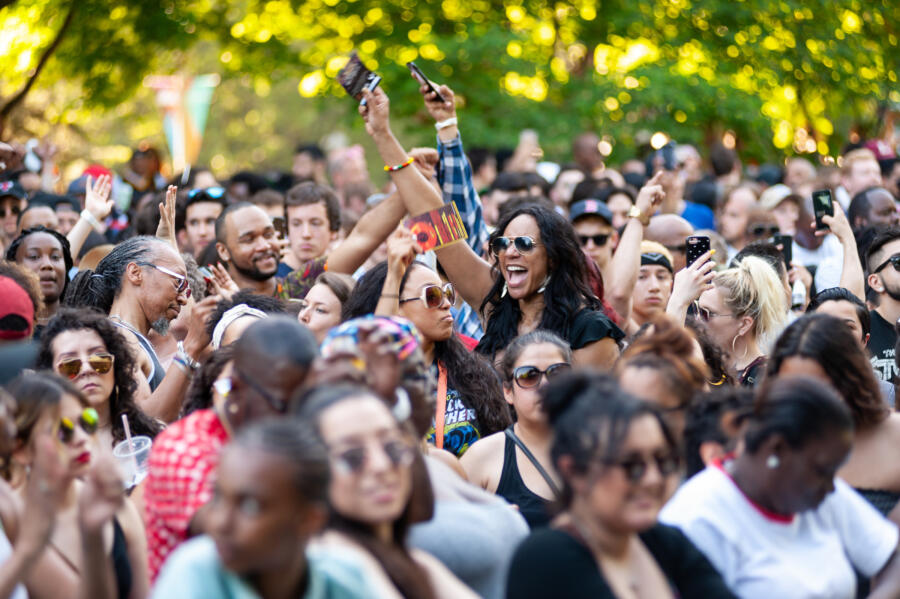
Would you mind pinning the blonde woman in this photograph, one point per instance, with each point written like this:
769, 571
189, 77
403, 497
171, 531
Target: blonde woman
745, 311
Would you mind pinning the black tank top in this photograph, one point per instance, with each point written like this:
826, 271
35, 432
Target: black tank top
512, 488
121, 565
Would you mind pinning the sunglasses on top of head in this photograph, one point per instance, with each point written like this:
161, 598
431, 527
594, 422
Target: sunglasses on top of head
99, 363
524, 244
434, 295
893, 261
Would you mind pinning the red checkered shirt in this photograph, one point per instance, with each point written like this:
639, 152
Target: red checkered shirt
182, 462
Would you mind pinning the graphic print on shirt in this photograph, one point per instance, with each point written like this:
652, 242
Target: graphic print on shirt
460, 425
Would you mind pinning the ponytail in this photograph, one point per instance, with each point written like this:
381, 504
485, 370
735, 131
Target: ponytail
752, 289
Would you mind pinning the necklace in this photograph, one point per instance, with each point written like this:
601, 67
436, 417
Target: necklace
125, 324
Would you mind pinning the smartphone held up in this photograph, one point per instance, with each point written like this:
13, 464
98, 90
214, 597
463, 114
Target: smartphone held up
696, 246
355, 77
822, 206
419, 76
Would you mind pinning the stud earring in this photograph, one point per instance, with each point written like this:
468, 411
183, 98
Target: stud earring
772, 462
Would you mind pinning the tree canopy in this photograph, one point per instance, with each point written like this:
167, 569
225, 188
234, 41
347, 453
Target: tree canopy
783, 76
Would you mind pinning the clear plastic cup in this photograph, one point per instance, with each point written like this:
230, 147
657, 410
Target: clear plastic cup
133, 459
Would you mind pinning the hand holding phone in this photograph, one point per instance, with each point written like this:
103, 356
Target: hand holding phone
786, 243
419, 76
696, 246
355, 77
822, 205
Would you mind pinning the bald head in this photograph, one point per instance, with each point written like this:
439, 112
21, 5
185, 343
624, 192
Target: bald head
671, 231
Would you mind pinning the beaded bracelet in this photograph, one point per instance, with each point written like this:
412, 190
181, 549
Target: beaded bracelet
391, 169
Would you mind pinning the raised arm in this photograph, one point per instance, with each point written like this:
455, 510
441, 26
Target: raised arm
97, 207
469, 274
371, 230
401, 250
852, 277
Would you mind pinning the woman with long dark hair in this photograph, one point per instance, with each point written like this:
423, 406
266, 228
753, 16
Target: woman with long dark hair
472, 404
85, 347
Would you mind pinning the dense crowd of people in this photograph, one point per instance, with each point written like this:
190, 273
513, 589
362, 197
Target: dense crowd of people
668, 377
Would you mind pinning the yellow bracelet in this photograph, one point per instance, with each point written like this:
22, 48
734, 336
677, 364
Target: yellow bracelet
391, 169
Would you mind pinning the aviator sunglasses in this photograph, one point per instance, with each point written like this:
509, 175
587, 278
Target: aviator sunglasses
88, 421
99, 363
433, 295
524, 244
527, 377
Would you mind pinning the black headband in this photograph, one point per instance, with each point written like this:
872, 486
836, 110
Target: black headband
656, 259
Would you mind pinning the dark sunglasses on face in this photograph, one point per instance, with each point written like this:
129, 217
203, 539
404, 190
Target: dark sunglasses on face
99, 362
354, 459
635, 467
433, 295
213, 192
893, 261
524, 244
527, 377
599, 240
12, 211
181, 286
764, 230
88, 421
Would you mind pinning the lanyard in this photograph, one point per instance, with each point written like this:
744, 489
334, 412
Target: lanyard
441, 407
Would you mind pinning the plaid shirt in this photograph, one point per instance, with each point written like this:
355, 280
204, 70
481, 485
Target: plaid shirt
455, 179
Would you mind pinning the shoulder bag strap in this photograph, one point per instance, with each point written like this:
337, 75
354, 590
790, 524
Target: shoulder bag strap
515, 439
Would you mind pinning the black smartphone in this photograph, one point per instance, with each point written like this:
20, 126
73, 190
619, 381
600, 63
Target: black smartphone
419, 76
696, 246
822, 205
280, 226
786, 243
355, 77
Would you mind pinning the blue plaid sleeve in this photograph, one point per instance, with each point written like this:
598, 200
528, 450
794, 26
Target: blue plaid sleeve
455, 179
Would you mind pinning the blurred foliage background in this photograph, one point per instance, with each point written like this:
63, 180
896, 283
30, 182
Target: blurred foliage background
779, 77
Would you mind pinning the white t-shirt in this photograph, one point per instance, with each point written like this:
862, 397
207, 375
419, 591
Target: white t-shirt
762, 555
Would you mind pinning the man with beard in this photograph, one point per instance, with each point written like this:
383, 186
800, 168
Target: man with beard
142, 285
248, 246
883, 268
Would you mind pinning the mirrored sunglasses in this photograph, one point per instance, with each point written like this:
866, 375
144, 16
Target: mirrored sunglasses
527, 377
524, 244
88, 421
434, 295
99, 362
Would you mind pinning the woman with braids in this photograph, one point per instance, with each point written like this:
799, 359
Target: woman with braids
515, 464
142, 284
618, 464
46, 253
86, 348
378, 488
824, 347
470, 403
538, 275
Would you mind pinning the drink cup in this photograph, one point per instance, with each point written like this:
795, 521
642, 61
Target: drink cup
133, 459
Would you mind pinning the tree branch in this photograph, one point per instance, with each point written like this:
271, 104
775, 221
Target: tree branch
17, 99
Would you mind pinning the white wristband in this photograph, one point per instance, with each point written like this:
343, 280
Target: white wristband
91, 219
444, 124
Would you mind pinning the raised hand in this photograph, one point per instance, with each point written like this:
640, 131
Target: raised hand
439, 111
376, 112
689, 283
401, 250
44, 492
166, 228
651, 195
101, 496
837, 224
222, 280
426, 160
96, 197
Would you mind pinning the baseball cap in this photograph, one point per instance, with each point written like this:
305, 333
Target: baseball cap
12, 188
16, 310
776, 194
78, 187
590, 207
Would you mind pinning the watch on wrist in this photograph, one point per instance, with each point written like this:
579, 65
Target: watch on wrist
635, 212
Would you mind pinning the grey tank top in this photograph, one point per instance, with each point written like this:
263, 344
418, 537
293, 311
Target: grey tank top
158, 373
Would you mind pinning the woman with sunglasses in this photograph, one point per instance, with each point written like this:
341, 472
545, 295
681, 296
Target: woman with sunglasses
85, 347
45, 253
515, 464
45, 401
378, 488
470, 403
538, 276
775, 520
745, 311
618, 464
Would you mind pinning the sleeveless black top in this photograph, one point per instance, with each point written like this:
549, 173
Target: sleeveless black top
512, 488
121, 565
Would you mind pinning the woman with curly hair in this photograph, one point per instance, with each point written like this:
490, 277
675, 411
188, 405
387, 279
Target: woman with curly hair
85, 347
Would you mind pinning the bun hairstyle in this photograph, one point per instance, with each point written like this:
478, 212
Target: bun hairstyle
752, 289
522, 342
590, 416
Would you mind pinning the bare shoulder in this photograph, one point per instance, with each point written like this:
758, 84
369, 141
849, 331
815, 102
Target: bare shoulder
483, 461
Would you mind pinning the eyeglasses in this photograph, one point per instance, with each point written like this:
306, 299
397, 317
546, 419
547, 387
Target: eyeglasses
635, 467
278, 404
99, 362
354, 459
181, 287
434, 296
705, 315
13, 211
893, 260
213, 192
527, 377
88, 421
524, 244
599, 240
765, 231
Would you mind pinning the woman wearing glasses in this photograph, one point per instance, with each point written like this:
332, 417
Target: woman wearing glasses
378, 488
46, 402
618, 464
469, 402
515, 464
745, 311
85, 347
538, 275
